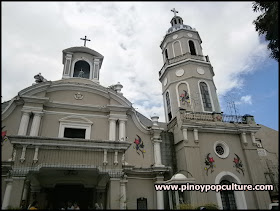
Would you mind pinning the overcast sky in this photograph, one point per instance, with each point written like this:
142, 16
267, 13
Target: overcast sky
128, 35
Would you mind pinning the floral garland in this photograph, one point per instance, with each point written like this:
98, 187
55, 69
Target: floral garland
209, 162
238, 164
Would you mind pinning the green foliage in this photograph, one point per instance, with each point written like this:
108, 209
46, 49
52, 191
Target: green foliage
267, 24
209, 206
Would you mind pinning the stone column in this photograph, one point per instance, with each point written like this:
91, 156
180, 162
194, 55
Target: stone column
122, 134
123, 193
7, 195
24, 123
36, 123
156, 140
112, 129
160, 198
157, 153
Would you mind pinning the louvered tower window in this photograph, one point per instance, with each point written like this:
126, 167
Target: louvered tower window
205, 96
168, 107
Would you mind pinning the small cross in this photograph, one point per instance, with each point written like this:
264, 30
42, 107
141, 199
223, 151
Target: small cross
85, 39
174, 11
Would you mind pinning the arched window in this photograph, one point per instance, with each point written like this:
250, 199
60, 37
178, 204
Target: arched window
227, 196
192, 48
166, 54
168, 107
81, 69
205, 96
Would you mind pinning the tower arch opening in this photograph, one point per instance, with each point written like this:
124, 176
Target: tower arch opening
81, 69
192, 48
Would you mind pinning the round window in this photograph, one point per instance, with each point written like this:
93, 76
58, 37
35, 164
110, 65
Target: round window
221, 149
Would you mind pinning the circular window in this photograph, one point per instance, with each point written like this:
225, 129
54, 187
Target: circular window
221, 149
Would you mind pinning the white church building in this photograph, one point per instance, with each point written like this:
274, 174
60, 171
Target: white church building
74, 139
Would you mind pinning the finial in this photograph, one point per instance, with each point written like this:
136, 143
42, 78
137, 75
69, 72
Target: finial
173, 10
85, 40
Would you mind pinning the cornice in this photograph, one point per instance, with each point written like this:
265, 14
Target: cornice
74, 144
221, 127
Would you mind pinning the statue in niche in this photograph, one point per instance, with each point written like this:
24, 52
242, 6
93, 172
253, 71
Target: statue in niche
39, 78
184, 97
81, 73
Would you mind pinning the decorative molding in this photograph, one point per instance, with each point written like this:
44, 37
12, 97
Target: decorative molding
138, 123
74, 144
180, 48
78, 96
75, 114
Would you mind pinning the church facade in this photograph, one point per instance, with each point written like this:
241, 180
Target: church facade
76, 140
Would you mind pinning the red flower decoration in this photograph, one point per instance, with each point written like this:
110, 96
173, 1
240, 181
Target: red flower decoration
211, 160
136, 141
235, 160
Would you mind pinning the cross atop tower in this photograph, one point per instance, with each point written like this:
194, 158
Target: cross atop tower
85, 39
174, 11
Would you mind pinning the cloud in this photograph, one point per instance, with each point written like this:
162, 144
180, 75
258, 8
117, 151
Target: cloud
247, 99
128, 35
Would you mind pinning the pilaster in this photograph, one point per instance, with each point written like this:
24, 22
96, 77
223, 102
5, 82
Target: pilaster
24, 123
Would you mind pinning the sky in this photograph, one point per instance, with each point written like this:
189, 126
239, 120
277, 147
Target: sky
128, 35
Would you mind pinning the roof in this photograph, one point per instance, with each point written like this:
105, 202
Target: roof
82, 49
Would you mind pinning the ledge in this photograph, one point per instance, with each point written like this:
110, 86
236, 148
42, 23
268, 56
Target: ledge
64, 143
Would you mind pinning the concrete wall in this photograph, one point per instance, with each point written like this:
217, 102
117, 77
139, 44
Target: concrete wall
137, 188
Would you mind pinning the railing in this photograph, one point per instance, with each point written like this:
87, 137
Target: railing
216, 117
233, 118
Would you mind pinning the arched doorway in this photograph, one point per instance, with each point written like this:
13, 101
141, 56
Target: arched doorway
81, 69
62, 193
228, 199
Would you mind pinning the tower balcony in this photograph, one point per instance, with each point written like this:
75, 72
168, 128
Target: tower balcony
182, 58
217, 117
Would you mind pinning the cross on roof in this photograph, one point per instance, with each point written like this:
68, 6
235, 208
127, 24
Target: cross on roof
85, 39
174, 11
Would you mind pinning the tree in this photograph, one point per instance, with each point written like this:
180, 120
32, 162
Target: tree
267, 24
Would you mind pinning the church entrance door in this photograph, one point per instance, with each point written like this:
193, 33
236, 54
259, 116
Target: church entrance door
62, 193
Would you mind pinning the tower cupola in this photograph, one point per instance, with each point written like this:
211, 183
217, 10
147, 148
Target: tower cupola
82, 62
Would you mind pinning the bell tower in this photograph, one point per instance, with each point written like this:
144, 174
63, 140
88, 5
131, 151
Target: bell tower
81, 62
187, 75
